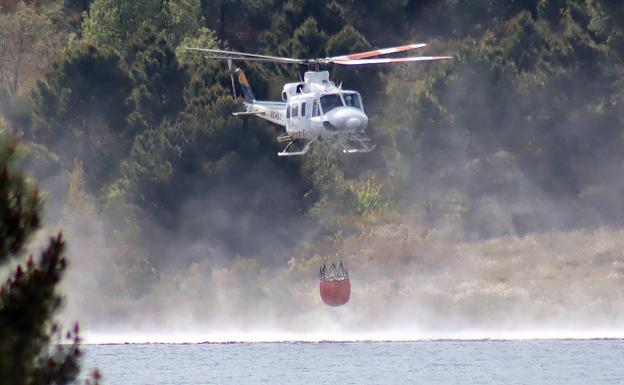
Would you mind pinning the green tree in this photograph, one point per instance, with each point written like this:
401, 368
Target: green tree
239, 22
545, 88
111, 23
158, 80
307, 40
605, 21
366, 81
208, 79
80, 112
29, 298
29, 41
203, 38
314, 21
182, 18
223, 167
551, 10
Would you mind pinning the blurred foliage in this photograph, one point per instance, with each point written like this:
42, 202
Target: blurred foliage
29, 41
33, 347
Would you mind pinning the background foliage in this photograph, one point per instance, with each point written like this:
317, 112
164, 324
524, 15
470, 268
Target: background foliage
524, 123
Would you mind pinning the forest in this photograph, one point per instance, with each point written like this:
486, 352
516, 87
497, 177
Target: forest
141, 164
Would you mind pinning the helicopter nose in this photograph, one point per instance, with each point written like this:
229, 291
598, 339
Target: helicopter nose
349, 119
353, 124
356, 121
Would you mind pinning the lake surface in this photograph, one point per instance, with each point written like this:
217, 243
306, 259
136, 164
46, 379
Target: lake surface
421, 362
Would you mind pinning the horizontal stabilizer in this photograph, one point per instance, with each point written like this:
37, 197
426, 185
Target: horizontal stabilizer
243, 113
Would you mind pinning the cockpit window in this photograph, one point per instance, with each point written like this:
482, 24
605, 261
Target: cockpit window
329, 102
352, 99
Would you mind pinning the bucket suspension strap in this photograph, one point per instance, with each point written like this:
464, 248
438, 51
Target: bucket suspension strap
323, 272
343, 271
333, 271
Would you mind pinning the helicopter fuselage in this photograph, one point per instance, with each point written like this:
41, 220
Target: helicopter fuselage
316, 109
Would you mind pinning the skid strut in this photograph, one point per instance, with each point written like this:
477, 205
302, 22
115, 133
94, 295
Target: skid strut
356, 144
286, 151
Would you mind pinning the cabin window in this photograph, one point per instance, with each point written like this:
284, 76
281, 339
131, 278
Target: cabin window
288, 111
352, 99
295, 111
303, 109
329, 102
315, 108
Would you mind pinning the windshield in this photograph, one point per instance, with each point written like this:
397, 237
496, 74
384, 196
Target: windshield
352, 99
329, 102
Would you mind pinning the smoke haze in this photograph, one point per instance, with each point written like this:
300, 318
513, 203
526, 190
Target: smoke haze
406, 283
517, 268
497, 212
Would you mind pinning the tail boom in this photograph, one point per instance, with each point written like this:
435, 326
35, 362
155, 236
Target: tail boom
274, 112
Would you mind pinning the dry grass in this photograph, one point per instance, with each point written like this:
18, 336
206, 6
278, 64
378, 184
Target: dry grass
404, 279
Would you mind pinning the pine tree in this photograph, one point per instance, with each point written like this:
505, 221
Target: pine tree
80, 111
182, 18
110, 23
30, 349
158, 80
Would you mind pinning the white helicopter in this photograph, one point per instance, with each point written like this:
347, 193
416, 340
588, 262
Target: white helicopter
314, 108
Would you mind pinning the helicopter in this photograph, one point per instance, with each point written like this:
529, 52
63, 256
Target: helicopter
314, 108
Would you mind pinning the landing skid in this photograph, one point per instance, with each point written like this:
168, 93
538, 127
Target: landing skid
353, 144
356, 144
287, 152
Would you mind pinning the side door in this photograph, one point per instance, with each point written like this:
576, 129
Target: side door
305, 113
294, 116
288, 119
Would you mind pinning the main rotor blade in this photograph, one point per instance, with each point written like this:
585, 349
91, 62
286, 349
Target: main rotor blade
257, 59
246, 56
378, 52
389, 60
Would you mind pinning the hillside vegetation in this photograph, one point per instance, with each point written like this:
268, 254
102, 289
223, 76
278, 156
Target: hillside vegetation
510, 156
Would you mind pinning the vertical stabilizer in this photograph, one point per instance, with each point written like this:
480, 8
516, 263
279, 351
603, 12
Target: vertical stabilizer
242, 79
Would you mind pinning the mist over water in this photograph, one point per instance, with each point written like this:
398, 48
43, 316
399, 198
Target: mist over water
405, 285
